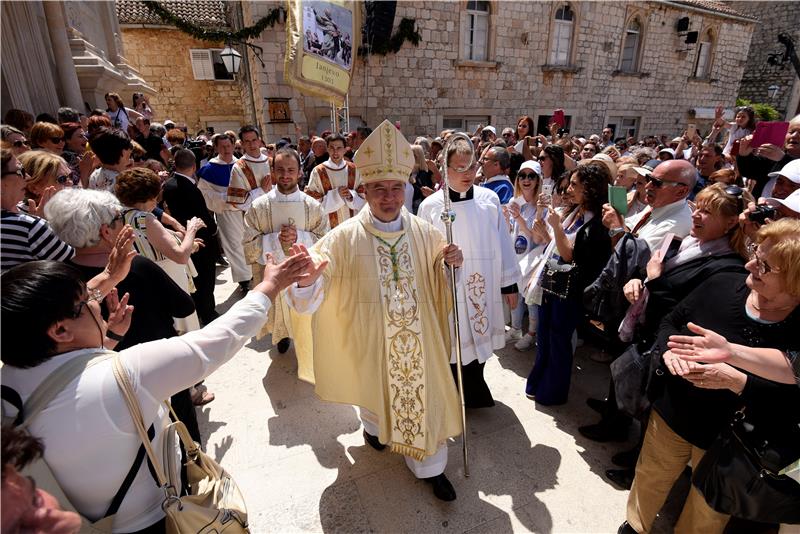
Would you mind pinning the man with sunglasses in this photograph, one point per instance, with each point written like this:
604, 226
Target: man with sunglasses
668, 185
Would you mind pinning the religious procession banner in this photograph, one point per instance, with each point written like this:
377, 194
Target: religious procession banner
322, 39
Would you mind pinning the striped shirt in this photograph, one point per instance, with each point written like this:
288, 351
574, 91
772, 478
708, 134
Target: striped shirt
26, 238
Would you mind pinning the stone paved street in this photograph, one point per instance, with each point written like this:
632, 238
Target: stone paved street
304, 467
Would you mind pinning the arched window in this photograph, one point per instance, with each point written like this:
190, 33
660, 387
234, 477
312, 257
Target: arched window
561, 36
475, 31
630, 47
702, 63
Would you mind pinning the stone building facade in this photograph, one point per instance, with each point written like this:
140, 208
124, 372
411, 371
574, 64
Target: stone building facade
616, 63
192, 86
179, 96
57, 53
775, 18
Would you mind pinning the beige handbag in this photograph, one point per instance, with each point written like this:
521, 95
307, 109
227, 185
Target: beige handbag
214, 503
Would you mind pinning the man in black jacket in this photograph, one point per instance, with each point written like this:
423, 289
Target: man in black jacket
184, 201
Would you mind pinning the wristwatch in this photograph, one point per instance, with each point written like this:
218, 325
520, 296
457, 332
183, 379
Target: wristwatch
616, 231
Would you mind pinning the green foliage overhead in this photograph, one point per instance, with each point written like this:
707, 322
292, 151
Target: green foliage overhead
406, 31
204, 34
764, 112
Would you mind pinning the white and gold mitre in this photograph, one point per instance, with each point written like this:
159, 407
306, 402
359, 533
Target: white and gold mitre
384, 155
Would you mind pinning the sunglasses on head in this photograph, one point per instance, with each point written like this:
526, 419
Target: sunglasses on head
20, 142
736, 191
658, 183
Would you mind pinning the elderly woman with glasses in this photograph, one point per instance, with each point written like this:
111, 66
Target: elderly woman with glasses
697, 400
716, 244
23, 237
47, 136
14, 140
90, 441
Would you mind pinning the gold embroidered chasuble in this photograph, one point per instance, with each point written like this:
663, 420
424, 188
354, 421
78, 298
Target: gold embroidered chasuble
381, 335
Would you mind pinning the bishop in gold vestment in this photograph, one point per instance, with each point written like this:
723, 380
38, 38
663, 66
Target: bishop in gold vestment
380, 309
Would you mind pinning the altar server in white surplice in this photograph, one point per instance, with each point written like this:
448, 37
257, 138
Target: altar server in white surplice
273, 223
336, 184
490, 270
250, 176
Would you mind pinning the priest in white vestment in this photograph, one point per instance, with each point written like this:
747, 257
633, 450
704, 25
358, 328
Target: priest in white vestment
380, 324
273, 223
490, 270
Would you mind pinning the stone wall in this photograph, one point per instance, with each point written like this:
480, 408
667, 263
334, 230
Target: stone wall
420, 86
775, 18
162, 57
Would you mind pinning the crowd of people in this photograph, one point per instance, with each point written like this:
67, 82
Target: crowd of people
678, 258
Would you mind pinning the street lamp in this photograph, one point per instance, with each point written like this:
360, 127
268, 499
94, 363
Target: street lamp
231, 59
772, 91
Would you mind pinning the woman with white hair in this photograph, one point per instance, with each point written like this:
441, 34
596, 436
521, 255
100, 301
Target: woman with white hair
91, 221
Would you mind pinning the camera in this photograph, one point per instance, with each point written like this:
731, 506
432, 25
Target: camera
762, 213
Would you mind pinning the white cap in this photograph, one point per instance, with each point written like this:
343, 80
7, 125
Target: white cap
669, 151
791, 171
792, 201
168, 121
531, 165
490, 129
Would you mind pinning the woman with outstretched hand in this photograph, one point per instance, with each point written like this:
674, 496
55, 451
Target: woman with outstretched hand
55, 320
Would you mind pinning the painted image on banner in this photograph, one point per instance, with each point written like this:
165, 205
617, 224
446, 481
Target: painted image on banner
327, 31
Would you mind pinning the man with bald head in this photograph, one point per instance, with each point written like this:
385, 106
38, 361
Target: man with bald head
668, 185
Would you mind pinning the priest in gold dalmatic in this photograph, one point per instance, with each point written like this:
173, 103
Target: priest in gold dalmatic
379, 298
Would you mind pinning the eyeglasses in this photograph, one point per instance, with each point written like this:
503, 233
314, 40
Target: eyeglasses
527, 176
20, 143
658, 183
19, 172
94, 296
542, 158
119, 217
762, 267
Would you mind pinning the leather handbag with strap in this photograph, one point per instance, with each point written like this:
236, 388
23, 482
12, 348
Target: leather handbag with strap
214, 503
740, 475
559, 278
